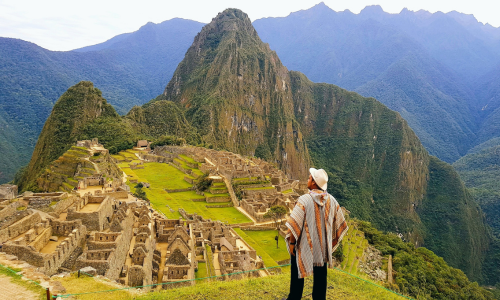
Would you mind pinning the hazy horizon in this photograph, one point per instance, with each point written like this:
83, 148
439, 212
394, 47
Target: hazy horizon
62, 25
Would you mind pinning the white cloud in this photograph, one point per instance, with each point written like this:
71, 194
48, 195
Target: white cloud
65, 25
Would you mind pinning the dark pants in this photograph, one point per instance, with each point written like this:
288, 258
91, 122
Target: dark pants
297, 285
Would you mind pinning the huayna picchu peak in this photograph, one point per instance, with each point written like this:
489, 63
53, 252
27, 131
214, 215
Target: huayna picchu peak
234, 134
237, 93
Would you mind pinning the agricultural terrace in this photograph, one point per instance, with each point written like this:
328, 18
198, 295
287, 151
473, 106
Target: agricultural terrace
263, 242
163, 176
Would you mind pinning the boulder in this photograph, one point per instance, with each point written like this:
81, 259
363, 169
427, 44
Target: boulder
89, 270
54, 238
57, 288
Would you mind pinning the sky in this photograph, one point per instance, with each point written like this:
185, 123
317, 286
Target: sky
62, 25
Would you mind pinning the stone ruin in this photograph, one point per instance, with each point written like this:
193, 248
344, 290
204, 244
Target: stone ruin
129, 242
8, 191
265, 185
94, 143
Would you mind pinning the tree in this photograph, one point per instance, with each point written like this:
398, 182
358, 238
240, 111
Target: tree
276, 213
204, 183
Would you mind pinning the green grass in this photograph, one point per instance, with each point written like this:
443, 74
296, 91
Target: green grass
164, 176
85, 284
265, 239
287, 191
268, 260
343, 286
210, 261
183, 164
353, 246
218, 184
17, 279
270, 287
188, 159
202, 270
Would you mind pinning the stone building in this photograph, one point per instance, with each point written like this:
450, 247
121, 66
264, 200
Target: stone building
8, 191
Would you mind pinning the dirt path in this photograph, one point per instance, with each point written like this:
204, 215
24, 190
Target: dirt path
9, 290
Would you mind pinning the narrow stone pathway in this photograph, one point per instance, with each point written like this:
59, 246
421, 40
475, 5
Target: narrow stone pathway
216, 263
12, 291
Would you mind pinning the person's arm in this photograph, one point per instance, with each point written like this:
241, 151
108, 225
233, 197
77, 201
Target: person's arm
294, 227
292, 243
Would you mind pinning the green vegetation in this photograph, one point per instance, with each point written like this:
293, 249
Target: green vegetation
210, 258
18, 280
268, 260
86, 284
276, 213
266, 240
345, 287
79, 106
203, 183
202, 270
352, 248
162, 176
419, 272
139, 192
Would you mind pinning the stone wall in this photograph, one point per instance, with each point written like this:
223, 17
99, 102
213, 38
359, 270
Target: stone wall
122, 248
42, 239
217, 199
117, 195
49, 262
97, 220
107, 255
24, 225
9, 210
178, 190
8, 191
256, 192
64, 228
60, 206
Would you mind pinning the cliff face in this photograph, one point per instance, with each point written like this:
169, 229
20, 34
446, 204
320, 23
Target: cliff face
237, 93
381, 172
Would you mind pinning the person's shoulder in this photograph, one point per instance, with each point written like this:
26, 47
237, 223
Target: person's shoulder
334, 201
304, 199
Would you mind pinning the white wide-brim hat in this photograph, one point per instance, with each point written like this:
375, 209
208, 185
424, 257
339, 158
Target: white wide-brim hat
320, 177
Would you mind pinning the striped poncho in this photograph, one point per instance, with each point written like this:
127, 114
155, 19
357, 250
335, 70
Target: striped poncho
315, 243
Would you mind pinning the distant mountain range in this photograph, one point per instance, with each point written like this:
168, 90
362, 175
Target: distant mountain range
439, 71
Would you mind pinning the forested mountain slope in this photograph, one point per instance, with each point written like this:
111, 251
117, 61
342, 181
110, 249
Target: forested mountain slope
130, 71
423, 65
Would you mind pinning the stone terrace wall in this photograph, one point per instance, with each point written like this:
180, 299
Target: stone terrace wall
42, 239
9, 210
49, 262
24, 225
60, 206
97, 220
64, 228
122, 247
5, 223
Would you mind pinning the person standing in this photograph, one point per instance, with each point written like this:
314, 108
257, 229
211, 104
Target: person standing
315, 228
